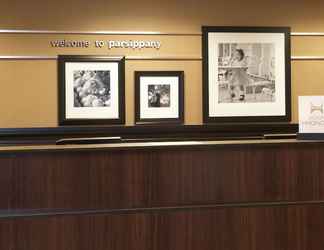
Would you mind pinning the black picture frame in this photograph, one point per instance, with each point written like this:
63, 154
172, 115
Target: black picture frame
159, 121
62, 60
206, 30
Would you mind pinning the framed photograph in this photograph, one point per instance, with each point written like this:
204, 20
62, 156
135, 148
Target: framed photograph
159, 97
246, 74
91, 90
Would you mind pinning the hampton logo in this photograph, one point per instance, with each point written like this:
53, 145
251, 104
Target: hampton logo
311, 114
318, 108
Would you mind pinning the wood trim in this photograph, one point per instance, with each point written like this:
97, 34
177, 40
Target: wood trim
57, 212
150, 132
153, 145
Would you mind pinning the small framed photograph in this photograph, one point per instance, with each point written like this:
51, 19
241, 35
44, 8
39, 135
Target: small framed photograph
91, 90
159, 97
246, 74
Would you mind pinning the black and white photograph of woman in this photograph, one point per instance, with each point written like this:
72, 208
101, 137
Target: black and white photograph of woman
246, 73
159, 95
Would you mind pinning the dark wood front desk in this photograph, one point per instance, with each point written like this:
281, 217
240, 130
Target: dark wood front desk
225, 195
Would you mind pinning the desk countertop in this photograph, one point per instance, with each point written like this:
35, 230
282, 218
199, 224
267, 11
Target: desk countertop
154, 145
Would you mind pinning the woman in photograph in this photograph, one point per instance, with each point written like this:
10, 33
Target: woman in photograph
239, 77
156, 102
159, 95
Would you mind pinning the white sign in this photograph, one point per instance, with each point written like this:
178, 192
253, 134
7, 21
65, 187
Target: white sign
311, 114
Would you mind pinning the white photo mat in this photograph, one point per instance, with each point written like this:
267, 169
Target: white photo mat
111, 112
147, 112
276, 108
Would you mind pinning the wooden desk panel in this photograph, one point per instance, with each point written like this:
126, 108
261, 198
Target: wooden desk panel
241, 174
140, 178
267, 228
240, 196
70, 180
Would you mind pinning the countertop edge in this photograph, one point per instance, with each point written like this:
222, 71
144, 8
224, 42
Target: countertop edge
153, 145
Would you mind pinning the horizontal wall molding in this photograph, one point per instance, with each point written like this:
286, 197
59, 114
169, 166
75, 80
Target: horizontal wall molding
134, 58
112, 32
307, 33
102, 32
55, 212
307, 58
147, 58
28, 57
128, 58
164, 58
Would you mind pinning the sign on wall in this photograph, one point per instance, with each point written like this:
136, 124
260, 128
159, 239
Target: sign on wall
110, 44
311, 114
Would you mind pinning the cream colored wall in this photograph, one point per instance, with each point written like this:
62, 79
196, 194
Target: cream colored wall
29, 88
166, 15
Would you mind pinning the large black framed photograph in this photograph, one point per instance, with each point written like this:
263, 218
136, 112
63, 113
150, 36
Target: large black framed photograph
246, 74
91, 90
159, 97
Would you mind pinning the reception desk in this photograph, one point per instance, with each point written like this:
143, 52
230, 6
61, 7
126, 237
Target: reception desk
194, 195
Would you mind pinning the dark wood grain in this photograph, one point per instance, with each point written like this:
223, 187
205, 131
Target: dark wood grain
68, 180
284, 228
15, 136
139, 178
267, 196
242, 174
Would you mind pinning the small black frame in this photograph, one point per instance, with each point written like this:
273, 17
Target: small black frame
62, 60
206, 30
159, 121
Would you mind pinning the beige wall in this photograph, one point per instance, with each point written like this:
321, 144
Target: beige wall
29, 88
